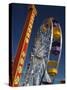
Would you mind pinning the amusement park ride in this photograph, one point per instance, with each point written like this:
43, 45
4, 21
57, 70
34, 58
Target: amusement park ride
45, 55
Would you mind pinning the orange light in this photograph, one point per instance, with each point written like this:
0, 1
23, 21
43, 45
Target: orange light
21, 61
28, 35
19, 69
16, 81
29, 30
23, 54
26, 40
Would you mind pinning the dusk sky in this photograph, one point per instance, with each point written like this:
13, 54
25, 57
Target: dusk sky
19, 14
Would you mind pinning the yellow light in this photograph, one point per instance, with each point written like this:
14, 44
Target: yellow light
27, 40
31, 21
30, 25
19, 69
28, 35
23, 54
21, 61
16, 80
29, 30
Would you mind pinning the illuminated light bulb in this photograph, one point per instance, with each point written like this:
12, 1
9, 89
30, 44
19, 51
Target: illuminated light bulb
28, 35
19, 69
21, 61
23, 54
16, 80
26, 40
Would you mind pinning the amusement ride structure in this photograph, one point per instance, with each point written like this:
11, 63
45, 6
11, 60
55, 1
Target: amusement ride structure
45, 55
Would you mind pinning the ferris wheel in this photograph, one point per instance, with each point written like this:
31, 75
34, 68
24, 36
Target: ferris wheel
46, 54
